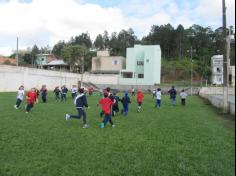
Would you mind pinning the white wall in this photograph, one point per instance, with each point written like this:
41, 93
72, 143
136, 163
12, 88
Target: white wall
11, 77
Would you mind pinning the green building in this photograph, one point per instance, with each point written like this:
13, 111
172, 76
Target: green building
143, 66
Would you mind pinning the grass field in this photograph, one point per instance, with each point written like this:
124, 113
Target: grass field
192, 140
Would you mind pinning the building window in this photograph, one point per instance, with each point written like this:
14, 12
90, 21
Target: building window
140, 75
127, 74
114, 62
140, 63
218, 70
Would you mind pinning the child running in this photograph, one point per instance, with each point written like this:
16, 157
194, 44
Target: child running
31, 99
158, 98
20, 97
140, 97
183, 96
44, 93
125, 102
80, 102
106, 104
115, 107
64, 91
57, 93
74, 91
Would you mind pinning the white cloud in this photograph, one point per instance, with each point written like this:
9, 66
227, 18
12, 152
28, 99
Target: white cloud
48, 21
44, 22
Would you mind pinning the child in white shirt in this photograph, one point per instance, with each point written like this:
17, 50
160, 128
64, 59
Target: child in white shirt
158, 98
183, 96
20, 97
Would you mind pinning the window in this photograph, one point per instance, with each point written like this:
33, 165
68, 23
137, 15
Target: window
218, 70
147, 60
140, 63
114, 62
140, 75
127, 74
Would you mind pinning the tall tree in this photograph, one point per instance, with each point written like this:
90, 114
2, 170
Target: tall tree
99, 43
74, 55
83, 40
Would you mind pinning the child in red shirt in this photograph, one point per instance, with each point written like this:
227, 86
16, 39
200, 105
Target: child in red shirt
106, 103
140, 97
31, 99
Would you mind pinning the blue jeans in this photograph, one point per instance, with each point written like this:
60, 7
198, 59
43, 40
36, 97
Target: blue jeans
172, 101
81, 113
107, 118
158, 103
125, 110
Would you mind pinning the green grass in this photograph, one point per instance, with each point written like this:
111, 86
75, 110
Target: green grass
192, 140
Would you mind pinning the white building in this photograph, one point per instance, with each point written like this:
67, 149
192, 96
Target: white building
217, 69
143, 66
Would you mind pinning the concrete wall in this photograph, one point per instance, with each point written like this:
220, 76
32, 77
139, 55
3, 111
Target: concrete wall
213, 95
11, 77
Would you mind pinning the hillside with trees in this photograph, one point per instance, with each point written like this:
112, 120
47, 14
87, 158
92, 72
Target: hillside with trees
175, 45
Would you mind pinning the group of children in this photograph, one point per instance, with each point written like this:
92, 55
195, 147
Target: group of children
109, 102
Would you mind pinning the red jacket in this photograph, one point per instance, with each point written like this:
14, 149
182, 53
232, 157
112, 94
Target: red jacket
106, 105
139, 96
31, 97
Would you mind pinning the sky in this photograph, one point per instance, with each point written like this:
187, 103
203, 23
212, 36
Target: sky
45, 22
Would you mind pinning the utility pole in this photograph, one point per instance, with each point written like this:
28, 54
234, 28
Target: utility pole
17, 55
225, 64
191, 54
82, 70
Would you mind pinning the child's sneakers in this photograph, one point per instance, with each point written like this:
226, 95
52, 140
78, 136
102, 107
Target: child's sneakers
113, 126
85, 126
102, 125
15, 107
67, 116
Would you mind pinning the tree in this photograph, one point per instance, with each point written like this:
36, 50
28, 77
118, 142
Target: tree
99, 43
74, 55
57, 49
83, 40
34, 52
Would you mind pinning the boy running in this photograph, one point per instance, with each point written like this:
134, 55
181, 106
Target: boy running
183, 96
158, 98
172, 93
140, 97
20, 97
80, 102
115, 107
125, 102
44, 93
74, 91
57, 93
106, 104
31, 99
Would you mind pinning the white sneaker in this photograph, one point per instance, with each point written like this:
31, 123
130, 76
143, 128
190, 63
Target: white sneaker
85, 126
26, 112
67, 116
15, 107
113, 126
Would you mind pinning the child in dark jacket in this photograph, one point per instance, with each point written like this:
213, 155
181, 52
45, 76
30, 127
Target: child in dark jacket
125, 102
57, 93
115, 107
44, 93
80, 102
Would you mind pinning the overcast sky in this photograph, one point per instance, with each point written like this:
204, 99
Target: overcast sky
45, 22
